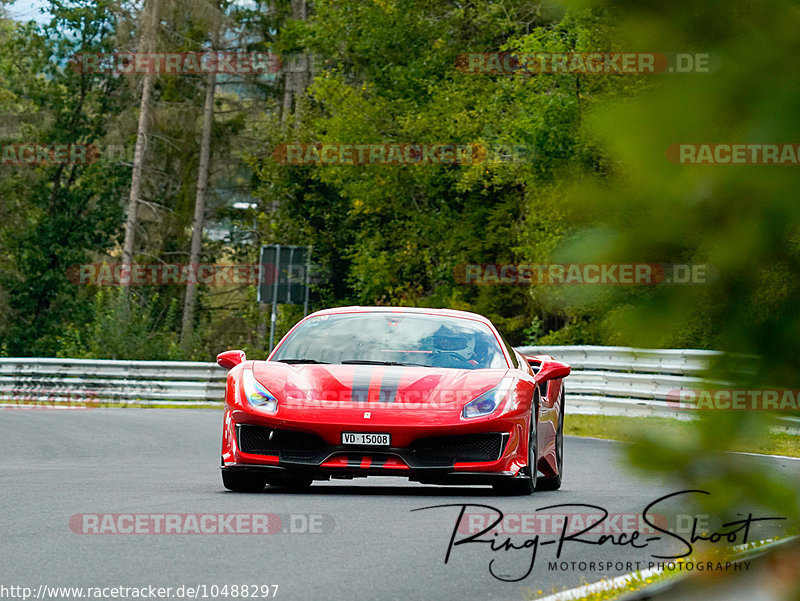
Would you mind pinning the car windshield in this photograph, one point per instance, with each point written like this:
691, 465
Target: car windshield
384, 338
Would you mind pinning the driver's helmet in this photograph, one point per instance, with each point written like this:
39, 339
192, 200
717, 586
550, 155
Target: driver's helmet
446, 340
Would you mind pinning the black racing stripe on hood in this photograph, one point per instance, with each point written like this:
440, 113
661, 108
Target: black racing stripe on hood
359, 389
389, 385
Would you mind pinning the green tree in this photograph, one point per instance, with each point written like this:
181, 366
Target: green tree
394, 235
55, 214
741, 219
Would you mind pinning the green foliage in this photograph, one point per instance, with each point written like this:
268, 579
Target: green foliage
381, 235
742, 219
54, 216
120, 328
580, 329
532, 332
392, 234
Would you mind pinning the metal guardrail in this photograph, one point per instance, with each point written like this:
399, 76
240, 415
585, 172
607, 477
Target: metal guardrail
608, 380
78, 382
625, 359
615, 380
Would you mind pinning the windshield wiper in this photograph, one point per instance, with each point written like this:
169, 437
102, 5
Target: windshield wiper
298, 361
367, 362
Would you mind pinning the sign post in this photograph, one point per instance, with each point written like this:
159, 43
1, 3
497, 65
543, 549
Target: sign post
284, 278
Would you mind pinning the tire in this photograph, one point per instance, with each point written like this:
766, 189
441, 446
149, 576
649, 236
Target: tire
554, 482
527, 484
243, 482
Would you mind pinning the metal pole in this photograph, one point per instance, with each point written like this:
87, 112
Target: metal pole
275, 282
290, 264
308, 280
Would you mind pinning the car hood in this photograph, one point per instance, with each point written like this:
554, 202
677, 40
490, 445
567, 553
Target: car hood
382, 387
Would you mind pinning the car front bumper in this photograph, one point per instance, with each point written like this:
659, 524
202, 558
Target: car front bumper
463, 453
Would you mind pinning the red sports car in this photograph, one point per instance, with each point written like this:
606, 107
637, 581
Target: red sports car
434, 395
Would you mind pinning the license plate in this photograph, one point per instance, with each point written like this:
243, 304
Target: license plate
366, 438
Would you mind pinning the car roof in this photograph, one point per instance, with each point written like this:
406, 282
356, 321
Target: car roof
418, 310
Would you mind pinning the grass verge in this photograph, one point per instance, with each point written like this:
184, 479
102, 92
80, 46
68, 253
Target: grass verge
627, 428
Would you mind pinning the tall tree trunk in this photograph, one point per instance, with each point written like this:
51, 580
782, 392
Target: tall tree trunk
288, 89
148, 44
199, 204
297, 68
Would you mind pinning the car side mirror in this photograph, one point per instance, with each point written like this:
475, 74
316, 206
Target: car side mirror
230, 359
552, 370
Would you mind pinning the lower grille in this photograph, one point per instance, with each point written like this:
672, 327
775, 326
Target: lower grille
432, 452
288, 444
446, 450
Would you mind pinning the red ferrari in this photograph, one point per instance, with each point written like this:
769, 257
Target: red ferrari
434, 395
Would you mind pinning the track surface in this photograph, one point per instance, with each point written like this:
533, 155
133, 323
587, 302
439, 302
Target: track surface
60, 463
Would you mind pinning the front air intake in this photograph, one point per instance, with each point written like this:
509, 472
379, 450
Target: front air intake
288, 444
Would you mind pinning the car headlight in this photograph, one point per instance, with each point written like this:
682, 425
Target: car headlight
488, 401
256, 394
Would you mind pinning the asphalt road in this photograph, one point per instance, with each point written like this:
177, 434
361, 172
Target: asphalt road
366, 542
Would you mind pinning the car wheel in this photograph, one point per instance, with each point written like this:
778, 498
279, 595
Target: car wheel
526, 484
243, 482
554, 482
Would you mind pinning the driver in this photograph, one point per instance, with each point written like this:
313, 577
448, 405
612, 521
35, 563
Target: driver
455, 343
